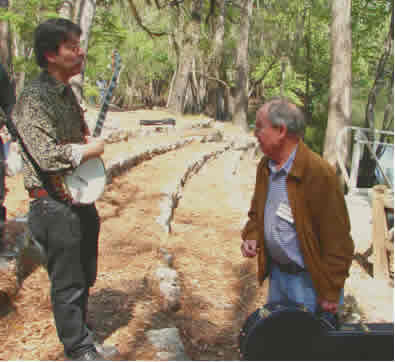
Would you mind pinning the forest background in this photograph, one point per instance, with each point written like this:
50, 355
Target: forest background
225, 57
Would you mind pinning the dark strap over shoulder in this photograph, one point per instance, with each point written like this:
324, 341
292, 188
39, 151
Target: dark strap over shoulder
7, 99
7, 92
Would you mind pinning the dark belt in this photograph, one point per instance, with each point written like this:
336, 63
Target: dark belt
37, 193
291, 268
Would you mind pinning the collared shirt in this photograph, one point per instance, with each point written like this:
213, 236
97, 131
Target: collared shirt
279, 228
51, 123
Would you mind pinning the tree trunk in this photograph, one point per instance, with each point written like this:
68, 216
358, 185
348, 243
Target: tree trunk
5, 40
380, 78
368, 164
84, 14
307, 102
171, 89
178, 96
214, 106
340, 87
388, 118
19, 51
186, 47
240, 92
66, 9
283, 70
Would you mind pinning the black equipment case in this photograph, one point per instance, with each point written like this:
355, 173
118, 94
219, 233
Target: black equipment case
279, 332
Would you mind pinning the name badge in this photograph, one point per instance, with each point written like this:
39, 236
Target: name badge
285, 212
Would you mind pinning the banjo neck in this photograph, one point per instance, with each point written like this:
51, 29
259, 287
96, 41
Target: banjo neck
85, 184
108, 95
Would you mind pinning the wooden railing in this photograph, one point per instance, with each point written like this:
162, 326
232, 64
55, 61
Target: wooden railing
382, 235
381, 197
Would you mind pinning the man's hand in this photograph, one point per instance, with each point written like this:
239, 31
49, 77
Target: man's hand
326, 306
249, 248
93, 148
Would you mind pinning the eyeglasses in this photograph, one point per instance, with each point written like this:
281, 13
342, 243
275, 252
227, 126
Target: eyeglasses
260, 129
74, 47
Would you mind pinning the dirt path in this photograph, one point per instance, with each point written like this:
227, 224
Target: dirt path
204, 243
218, 286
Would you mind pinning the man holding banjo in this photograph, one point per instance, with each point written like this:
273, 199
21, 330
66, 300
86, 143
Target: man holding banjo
55, 139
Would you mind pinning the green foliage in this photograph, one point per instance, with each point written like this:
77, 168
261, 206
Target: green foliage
107, 34
144, 58
25, 15
90, 91
299, 33
370, 25
315, 130
291, 31
29, 66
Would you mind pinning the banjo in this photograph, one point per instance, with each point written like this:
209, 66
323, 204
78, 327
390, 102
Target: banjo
86, 183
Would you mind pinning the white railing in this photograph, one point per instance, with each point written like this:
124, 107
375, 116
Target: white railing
360, 140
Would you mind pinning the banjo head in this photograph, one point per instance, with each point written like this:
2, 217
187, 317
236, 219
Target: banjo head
87, 182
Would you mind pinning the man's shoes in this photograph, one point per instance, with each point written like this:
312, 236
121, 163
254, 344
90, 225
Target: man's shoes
107, 352
90, 355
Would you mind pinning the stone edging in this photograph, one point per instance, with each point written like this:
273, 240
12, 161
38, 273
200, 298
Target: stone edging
125, 162
172, 193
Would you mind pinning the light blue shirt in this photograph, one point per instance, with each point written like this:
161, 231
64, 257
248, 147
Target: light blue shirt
280, 235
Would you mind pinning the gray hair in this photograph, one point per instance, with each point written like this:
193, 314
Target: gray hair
283, 112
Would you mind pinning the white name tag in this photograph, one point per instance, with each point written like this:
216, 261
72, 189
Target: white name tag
285, 212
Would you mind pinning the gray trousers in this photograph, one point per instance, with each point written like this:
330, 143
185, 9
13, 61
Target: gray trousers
69, 235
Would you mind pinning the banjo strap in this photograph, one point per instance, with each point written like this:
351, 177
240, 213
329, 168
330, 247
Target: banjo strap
43, 178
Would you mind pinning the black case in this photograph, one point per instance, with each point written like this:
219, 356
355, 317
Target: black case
362, 342
278, 332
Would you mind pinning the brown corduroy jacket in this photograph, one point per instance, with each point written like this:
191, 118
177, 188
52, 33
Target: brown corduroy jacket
321, 221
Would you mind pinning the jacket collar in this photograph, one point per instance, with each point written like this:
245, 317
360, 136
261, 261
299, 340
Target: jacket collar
299, 163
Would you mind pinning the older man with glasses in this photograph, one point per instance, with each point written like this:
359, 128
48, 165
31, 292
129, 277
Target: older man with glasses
298, 222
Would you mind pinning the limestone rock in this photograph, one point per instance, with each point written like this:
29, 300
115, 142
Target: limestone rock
169, 344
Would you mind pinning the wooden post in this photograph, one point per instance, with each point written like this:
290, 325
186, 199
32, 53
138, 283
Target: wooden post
380, 260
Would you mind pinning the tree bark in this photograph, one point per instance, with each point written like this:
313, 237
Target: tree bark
340, 87
367, 172
186, 46
240, 92
214, 107
5, 40
380, 78
66, 9
83, 15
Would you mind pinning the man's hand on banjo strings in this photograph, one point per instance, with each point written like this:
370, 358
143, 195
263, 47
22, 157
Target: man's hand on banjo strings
93, 148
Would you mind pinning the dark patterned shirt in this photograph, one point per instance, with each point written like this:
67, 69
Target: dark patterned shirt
49, 120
